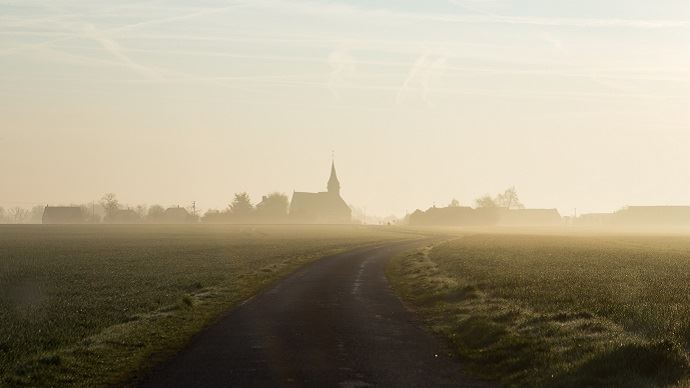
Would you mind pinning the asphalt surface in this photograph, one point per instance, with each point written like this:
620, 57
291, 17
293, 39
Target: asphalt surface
333, 323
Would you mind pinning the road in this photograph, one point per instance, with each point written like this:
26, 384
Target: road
333, 323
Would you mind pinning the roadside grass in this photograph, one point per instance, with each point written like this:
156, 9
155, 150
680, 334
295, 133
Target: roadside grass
557, 310
97, 305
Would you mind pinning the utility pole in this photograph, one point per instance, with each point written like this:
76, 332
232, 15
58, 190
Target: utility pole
194, 208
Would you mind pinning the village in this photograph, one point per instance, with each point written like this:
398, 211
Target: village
328, 207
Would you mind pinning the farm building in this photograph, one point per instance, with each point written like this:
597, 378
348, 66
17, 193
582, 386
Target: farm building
490, 216
594, 219
455, 216
653, 216
177, 215
63, 215
124, 216
324, 207
529, 217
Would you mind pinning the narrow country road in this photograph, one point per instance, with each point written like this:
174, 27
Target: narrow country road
333, 323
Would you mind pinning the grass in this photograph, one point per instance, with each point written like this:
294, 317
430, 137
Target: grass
97, 305
558, 310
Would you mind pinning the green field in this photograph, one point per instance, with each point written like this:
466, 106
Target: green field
558, 310
96, 305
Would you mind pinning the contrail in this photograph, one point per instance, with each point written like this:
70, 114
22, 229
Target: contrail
420, 63
435, 69
127, 26
483, 17
422, 72
112, 47
342, 65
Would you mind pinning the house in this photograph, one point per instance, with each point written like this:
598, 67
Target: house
63, 215
326, 207
176, 215
455, 216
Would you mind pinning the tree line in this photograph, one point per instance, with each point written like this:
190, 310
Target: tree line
489, 210
508, 199
273, 208
20, 215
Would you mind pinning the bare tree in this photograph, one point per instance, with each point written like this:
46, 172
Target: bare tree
485, 202
110, 204
509, 199
19, 215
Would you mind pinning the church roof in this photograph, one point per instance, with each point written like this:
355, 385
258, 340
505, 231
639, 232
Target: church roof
323, 207
333, 183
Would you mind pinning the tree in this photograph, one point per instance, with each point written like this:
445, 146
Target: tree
3, 215
273, 206
155, 214
454, 203
509, 199
110, 204
213, 216
92, 212
36, 216
141, 211
485, 202
241, 206
19, 215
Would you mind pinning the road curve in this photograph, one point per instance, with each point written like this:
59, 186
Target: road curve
333, 323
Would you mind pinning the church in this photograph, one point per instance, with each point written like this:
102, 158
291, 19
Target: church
321, 208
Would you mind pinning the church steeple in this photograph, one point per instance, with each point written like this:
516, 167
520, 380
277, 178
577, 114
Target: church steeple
333, 183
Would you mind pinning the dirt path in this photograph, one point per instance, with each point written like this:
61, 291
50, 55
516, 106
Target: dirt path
334, 323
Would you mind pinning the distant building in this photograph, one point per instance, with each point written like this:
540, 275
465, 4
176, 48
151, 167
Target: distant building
63, 215
124, 216
594, 219
323, 208
639, 216
177, 215
653, 216
455, 216
530, 217
488, 216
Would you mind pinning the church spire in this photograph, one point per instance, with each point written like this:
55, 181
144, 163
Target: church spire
333, 183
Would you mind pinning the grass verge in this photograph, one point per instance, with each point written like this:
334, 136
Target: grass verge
526, 310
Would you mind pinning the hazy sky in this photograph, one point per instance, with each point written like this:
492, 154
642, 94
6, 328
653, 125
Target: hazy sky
577, 103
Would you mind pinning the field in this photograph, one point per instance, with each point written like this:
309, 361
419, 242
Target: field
558, 310
97, 305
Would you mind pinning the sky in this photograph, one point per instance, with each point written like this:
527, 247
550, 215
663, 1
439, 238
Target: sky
578, 104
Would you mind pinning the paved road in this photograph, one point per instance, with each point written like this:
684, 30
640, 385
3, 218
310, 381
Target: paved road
333, 323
